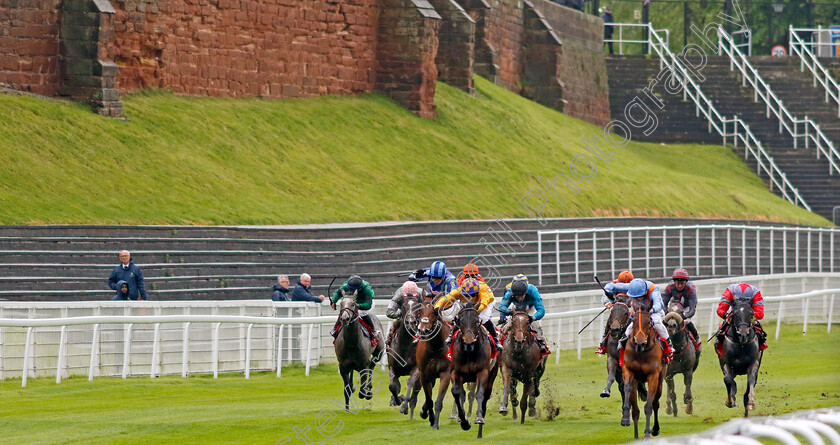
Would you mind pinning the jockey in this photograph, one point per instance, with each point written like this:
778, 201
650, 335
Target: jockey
362, 292
518, 277
649, 294
480, 295
525, 296
408, 289
470, 271
440, 279
684, 292
737, 293
608, 300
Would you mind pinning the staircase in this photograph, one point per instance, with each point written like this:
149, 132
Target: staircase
630, 74
796, 89
678, 123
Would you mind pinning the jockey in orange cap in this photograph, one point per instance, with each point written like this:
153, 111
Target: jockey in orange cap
624, 277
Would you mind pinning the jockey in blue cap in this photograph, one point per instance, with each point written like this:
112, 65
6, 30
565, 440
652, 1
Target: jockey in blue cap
646, 295
441, 281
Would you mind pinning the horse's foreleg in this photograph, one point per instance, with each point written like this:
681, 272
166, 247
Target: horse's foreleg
612, 366
749, 395
366, 383
629, 390
688, 397
457, 394
347, 377
471, 397
428, 408
445, 379
527, 391
503, 408
731, 387
480, 389
415, 388
394, 386
671, 397
654, 393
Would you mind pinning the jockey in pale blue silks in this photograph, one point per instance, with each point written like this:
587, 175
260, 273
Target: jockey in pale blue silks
646, 294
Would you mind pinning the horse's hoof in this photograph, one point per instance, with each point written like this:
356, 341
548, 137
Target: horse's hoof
503, 411
625, 421
668, 408
479, 420
689, 409
751, 406
655, 431
729, 404
532, 412
403, 409
465, 425
605, 393
453, 416
423, 414
435, 427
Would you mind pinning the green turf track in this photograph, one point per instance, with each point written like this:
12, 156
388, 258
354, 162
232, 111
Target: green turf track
798, 373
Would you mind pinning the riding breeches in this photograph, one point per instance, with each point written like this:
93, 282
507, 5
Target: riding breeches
487, 313
656, 318
362, 313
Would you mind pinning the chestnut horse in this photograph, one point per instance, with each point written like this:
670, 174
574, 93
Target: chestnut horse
521, 361
432, 363
471, 362
643, 363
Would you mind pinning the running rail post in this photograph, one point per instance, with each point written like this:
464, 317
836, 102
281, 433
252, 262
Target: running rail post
127, 350
248, 351
559, 331
539, 259
62, 351
280, 351
94, 342
185, 351
27, 350
308, 347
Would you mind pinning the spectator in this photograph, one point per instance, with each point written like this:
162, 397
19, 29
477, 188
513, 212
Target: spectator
122, 292
608, 29
302, 293
130, 273
281, 289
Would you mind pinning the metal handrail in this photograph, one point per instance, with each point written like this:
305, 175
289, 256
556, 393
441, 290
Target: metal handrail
775, 105
808, 59
764, 162
621, 40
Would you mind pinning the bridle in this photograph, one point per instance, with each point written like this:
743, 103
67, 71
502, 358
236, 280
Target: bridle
624, 325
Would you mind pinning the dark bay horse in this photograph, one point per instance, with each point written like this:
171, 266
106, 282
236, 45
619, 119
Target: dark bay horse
617, 322
741, 355
471, 362
521, 361
402, 356
685, 362
643, 364
354, 351
432, 363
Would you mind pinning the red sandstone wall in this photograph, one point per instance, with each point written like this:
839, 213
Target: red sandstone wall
238, 48
504, 30
29, 45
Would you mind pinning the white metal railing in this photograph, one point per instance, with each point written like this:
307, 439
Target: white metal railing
746, 33
738, 130
811, 131
621, 40
709, 250
803, 427
807, 59
556, 325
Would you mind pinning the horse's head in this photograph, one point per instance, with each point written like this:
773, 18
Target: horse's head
619, 315
348, 310
469, 325
410, 311
673, 322
520, 326
642, 327
676, 307
741, 319
429, 322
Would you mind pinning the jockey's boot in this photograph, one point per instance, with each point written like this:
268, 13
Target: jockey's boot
492, 330
542, 345
374, 333
694, 334
669, 351
335, 329
623, 341
602, 348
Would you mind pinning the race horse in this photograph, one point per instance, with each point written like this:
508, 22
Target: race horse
521, 361
432, 363
402, 356
354, 350
685, 361
618, 320
642, 363
471, 350
741, 355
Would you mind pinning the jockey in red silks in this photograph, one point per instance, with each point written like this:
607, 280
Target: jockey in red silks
737, 293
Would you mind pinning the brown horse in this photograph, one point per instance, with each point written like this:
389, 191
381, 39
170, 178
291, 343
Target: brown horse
471, 362
521, 361
432, 363
685, 362
617, 323
643, 364
402, 356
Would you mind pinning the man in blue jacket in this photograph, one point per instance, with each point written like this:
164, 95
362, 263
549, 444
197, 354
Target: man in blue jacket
525, 296
302, 293
130, 273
